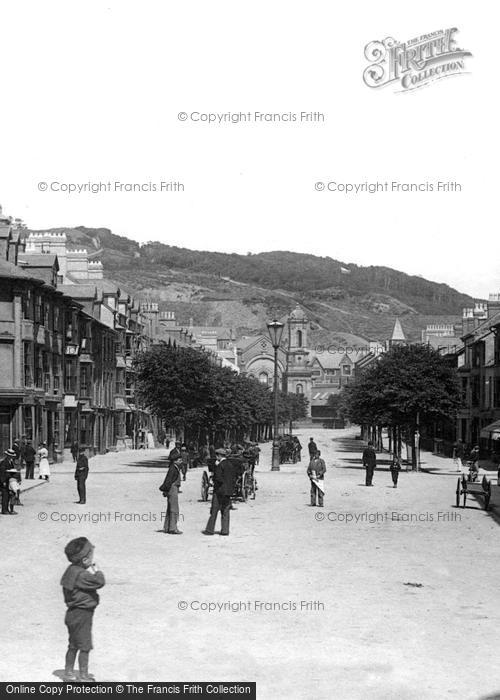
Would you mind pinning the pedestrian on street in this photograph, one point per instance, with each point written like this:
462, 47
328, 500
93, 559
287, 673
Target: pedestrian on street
369, 462
316, 473
474, 459
29, 458
43, 466
185, 460
458, 455
81, 474
225, 476
298, 449
75, 451
395, 469
80, 583
170, 489
6, 464
14, 478
17, 449
312, 447
257, 453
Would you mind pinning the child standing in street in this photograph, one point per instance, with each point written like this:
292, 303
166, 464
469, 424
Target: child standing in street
80, 583
395, 469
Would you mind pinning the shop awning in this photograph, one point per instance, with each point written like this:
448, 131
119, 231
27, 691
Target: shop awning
121, 404
492, 430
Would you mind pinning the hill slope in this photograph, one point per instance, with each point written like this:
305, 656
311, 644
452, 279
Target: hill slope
243, 291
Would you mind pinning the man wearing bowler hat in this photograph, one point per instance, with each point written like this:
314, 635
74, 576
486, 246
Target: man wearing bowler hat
225, 475
170, 489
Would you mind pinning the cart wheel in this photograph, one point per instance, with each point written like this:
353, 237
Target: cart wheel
204, 487
458, 494
245, 488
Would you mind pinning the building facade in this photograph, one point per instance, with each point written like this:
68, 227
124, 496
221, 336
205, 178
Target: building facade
316, 375
68, 339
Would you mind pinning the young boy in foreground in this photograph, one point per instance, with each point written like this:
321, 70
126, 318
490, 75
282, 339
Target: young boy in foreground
80, 583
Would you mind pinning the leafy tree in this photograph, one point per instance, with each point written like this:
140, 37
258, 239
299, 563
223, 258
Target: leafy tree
411, 386
203, 400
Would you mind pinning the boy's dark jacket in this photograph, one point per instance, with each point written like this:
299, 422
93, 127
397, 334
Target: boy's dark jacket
80, 587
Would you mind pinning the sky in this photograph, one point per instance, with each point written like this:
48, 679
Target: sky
92, 92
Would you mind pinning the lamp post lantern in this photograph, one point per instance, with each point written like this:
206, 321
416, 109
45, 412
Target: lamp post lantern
275, 329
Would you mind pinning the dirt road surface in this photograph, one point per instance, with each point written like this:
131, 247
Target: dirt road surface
383, 593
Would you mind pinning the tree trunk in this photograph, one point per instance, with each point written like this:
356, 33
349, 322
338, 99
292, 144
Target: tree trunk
413, 450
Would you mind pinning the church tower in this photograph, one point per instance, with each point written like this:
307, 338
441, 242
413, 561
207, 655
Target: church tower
298, 374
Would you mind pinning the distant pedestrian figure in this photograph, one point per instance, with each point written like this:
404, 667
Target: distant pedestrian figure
43, 466
170, 489
395, 469
6, 466
81, 474
29, 457
369, 462
474, 459
297, 449
14, 476
312, 447
458, 455
185, 460
16, 446
80, 582
74, 450
316, 473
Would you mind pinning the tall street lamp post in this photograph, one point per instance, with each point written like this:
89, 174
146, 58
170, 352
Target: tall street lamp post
275, 329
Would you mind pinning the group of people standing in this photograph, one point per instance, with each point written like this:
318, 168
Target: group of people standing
317, 469
21, 455
225, 465
369, 460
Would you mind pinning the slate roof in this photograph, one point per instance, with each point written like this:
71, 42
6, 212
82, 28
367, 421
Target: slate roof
78, 291
37, 260
11, 271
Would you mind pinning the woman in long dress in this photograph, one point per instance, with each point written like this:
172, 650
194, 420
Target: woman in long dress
43, 466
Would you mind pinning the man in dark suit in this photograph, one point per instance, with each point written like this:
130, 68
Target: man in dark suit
312, 447
81, 474
225, 474
29, 458
170, 488
369, 462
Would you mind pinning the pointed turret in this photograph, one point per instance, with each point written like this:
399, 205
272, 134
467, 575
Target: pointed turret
398, 337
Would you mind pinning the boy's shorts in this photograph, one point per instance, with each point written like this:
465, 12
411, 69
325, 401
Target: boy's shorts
79, 624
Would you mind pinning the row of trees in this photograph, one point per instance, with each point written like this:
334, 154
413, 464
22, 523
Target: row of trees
410, 388
203, 402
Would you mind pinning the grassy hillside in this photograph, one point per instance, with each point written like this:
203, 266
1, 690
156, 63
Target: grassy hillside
242, 291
